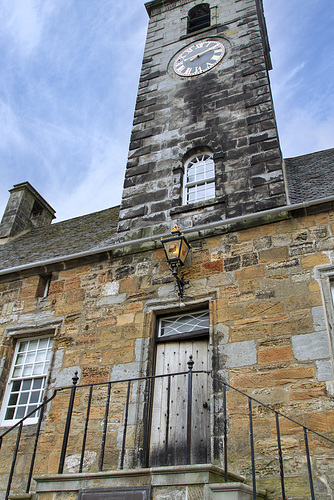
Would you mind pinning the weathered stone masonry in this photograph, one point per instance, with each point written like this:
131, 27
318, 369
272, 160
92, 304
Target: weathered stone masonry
269, 332
263, 269
229, 110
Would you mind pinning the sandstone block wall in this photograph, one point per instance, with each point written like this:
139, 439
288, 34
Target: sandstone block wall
269, 338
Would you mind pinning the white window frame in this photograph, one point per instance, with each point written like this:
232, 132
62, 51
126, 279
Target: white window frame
199, 181
28, 388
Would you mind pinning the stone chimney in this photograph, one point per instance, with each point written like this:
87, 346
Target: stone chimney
25, 210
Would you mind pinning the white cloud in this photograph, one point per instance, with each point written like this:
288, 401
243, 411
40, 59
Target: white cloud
25, 20
99, 187
11, 133
301, 131
284, 86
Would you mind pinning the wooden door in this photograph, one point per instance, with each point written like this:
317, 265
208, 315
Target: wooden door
168, 444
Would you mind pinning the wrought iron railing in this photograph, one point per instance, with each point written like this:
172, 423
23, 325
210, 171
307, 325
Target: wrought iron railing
83, 418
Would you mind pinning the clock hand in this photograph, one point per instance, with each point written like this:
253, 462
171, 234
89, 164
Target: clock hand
197, 55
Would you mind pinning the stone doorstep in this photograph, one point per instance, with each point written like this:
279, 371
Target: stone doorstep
231, 491
182, 475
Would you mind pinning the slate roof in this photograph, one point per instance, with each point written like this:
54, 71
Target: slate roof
88, 232
311, 176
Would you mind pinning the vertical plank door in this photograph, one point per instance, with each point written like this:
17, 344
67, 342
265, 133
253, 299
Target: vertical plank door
170, 400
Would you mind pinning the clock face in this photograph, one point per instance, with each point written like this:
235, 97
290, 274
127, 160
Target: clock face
199, 57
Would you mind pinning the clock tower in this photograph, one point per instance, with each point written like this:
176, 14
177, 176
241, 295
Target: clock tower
204, 145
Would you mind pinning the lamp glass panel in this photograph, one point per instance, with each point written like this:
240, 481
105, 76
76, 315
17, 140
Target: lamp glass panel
172, 249
184, 251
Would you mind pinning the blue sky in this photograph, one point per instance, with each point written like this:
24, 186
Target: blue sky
68, 80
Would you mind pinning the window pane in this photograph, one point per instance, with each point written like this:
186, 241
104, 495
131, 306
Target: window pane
43, 343
23, 346
210, 167
10, 414
30, 357
191, 175
23, 398
210, 191
20, 412
41, 355
34, 397
16, 385
31, 408
33, 345
38, 369
27, 370
37, 383
201, 192
17, 371
20, 359
13, 399
26, 385
192, 197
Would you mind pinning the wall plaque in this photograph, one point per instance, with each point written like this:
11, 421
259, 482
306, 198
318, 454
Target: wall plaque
124, 493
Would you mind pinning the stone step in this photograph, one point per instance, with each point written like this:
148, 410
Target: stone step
199, 482
231, 491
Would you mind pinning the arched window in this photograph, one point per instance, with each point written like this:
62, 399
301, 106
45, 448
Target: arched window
199, 17
199, 180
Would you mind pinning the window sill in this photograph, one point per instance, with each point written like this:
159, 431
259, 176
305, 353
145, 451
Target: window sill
27, 427
198, 205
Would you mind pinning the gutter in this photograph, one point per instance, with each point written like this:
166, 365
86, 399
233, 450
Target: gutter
156, 238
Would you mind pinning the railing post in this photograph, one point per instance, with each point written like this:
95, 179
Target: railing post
68, 423
35, 446
86, 429
280, 455
146, 437
252, 446
105, 428
167, 420
309, 463
225, 436
190, 375
14, 461
125, 425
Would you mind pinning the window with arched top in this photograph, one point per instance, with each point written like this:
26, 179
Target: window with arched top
199, 178
199, 17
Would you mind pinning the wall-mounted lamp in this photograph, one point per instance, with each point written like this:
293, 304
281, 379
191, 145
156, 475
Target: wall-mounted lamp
176, 249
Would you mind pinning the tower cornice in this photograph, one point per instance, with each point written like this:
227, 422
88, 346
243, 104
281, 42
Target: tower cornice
156, 4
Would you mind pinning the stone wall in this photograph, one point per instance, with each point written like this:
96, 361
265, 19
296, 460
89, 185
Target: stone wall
269, 338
